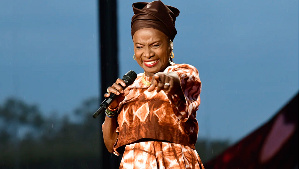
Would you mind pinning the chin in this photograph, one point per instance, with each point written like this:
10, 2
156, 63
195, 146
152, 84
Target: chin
150, 70
153, 70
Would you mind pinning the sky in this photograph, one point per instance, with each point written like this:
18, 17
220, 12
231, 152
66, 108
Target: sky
247, 54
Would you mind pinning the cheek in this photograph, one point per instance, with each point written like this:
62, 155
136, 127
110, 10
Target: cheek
137, 55
138, 58
165, 56
165, 61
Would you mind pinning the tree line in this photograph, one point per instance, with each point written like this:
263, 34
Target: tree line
30, 139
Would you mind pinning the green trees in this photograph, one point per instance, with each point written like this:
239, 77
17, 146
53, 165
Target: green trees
29, 139
18, 119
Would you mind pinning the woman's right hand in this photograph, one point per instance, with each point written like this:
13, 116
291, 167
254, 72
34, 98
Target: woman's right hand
118, 89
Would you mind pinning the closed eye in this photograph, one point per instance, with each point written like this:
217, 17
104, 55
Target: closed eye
138, 46
156, 45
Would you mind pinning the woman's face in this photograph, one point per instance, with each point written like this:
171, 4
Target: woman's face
152, 50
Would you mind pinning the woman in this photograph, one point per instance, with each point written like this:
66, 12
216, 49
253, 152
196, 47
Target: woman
154, 119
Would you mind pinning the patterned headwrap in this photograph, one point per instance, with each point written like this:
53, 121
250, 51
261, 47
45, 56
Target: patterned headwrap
154, 15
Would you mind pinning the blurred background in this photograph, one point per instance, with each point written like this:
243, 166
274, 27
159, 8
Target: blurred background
247, 54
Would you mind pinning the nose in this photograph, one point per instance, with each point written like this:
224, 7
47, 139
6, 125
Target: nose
148, 53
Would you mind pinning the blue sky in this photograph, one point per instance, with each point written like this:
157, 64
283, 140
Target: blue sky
247, 54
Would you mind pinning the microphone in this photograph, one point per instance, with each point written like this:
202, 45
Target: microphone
128, 78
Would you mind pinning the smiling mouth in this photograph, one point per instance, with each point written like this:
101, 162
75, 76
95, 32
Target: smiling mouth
151, 63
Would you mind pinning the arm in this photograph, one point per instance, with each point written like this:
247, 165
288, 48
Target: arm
110, 124
191, 87
159, 83
185, 87
109, 132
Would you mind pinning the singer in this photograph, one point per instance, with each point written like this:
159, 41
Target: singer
153, 121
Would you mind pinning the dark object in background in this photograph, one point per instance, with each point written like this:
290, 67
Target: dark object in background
274, 145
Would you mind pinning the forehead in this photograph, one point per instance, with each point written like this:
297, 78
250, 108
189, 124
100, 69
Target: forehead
149, 35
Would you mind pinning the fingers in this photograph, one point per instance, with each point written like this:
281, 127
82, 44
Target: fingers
106, 95
167, 83
117, 88
161, 81
168, 86
121, 82
154, 83
152, 86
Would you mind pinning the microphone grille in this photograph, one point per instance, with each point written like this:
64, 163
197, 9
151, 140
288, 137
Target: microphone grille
129, 77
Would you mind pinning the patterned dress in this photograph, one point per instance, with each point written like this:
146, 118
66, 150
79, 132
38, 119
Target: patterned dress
159, 130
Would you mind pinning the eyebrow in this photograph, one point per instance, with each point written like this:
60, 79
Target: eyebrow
139, 43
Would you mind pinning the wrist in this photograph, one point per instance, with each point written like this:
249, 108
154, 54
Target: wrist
110, 114
112, 109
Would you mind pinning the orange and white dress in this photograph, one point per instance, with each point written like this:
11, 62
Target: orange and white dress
159, 130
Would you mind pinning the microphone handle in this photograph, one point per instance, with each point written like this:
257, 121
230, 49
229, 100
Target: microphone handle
106, 102
128, 78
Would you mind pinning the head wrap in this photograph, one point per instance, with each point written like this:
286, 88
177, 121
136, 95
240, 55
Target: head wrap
154, 15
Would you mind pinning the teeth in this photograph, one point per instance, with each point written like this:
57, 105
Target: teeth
150, 63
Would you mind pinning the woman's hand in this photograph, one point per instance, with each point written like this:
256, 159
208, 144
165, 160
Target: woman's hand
118, 89
169, 82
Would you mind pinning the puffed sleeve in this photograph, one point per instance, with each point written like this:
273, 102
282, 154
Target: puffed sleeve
190, 86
